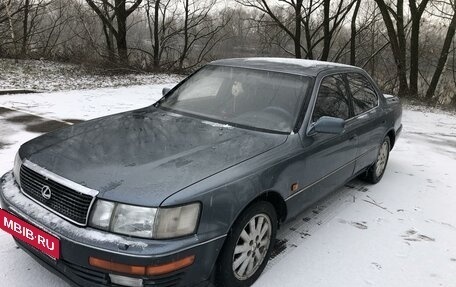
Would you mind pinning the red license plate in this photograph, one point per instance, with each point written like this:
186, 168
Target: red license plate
43, 241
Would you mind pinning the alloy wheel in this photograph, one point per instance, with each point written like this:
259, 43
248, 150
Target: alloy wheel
382, 158
252, 246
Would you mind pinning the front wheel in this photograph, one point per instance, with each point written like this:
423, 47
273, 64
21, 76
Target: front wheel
248, 246
375, 173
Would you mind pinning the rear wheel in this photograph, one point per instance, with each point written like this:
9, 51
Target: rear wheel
375, 173
248, 246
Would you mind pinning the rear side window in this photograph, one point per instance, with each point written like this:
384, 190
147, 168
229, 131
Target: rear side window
332, 99
364, 95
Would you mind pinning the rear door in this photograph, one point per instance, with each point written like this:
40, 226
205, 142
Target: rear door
366, 119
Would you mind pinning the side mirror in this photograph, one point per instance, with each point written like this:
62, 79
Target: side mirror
329, 125
165, 91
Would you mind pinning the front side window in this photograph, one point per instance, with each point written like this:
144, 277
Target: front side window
239, 96
332, 99
363, 94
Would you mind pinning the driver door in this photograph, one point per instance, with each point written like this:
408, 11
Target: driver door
328, 160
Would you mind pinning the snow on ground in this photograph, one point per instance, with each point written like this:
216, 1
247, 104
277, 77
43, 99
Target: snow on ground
85, 104
52, 76
400, 232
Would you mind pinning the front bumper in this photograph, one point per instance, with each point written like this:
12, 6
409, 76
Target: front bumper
78, 244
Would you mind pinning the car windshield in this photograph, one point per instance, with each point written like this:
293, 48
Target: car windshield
238, 96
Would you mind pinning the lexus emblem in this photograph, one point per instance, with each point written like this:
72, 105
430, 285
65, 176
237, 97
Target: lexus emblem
46, 192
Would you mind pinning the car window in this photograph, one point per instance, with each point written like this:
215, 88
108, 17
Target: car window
332, 99
363, 94
249, 98
203, 88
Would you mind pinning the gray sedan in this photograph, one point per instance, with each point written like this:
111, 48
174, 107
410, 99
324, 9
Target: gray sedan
192, 189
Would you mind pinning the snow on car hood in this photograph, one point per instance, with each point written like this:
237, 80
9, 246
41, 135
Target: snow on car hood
144, 156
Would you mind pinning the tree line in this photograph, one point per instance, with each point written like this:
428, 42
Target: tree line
407, 46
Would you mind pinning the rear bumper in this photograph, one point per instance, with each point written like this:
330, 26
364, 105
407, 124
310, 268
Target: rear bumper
78, 244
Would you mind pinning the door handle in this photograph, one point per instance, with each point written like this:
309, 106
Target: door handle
352, 138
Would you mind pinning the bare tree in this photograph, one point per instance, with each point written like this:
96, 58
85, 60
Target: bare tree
354, 33
199, 29
120, 13
154, 30
161, 17
337, 19
416, 13
396, 34
109, 36
292, 27
9, 18
293, 17
25, 27
444, 52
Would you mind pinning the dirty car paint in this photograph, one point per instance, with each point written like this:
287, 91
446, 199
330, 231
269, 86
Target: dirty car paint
113, 154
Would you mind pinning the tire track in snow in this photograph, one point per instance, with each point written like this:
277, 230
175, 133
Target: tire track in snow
294, 233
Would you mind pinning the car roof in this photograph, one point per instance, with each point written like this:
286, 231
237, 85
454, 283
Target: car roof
284, 65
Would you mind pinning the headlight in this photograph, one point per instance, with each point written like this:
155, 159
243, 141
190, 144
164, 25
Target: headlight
101, 215
176, 221
147, 222
133, 220
17, 168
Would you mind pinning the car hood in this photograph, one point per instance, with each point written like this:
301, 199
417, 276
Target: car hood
144, 156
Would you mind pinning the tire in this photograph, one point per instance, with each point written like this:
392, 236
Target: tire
235, 269
375, 173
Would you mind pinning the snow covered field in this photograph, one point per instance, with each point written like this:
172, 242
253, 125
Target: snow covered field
53, 76
400, 232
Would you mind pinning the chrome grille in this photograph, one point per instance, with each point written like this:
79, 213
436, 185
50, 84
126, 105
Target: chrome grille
64, 201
